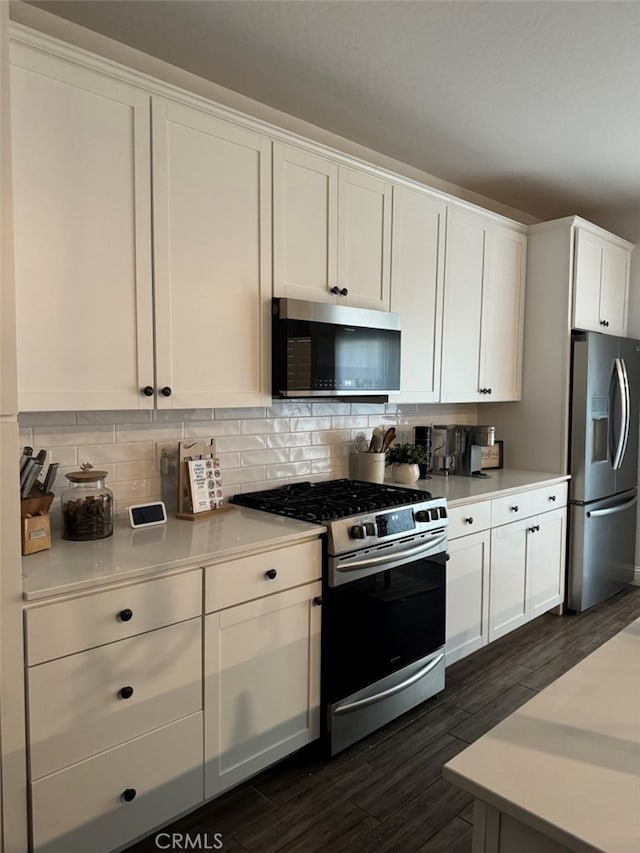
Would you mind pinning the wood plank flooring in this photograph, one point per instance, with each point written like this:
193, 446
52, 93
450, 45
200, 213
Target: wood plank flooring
386, 793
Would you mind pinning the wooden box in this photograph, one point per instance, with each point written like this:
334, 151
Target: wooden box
35, 524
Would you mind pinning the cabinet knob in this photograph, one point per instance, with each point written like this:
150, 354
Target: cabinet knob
489, 390
552, 497
469, 519
129, 794
270, 574
514, 508
125, 692
166, 391
335, 290
344, 291
147, 391
125, 615
317, 600
532, 529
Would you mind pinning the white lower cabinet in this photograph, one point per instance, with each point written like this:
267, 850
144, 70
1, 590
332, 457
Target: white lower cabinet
112, 798
527, 570
506, 566
115, 729
467, 595
262, 683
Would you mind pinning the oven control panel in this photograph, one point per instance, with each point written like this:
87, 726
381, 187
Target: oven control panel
393, 523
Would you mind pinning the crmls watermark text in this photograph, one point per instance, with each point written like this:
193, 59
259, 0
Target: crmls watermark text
189, 841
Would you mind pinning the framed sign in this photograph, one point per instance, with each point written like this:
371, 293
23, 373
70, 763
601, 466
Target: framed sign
493, 455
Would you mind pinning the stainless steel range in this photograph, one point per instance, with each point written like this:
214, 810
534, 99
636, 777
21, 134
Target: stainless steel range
383, 619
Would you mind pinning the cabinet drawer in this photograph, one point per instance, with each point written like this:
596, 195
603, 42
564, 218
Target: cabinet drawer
469, 518
235, 582
76, 707
54, 630
526, 503
83, 808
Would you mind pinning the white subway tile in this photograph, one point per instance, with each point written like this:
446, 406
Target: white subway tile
136, 490
326, 409
54, 436
140, 470
102, 453
240, 442
368, 408
264, 457
64, 455
301, 424
265, 425
239, 414
131, 416
289, 409
149, 432
244, 475
323, 466
331, 436
291, 469
317, 451
229, 460
213, 429
160, 416
288, 439
350, 422
46, 419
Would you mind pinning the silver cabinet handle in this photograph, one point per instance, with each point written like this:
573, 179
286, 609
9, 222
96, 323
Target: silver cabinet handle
390, 691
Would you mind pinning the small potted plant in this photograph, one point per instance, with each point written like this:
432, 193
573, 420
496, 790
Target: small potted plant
405, 461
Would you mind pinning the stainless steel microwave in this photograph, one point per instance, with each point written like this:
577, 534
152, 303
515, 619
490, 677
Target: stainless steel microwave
326, 350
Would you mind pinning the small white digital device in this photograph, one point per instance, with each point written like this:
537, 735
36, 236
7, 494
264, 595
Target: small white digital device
147, 515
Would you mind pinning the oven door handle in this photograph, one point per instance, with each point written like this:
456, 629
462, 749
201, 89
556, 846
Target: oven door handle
390, 691
393, 556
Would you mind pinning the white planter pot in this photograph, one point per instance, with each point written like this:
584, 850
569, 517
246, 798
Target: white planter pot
405, 472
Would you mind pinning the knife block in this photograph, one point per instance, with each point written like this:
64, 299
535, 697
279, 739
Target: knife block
36, 523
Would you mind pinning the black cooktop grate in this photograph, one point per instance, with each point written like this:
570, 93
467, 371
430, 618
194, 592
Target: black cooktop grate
329, 499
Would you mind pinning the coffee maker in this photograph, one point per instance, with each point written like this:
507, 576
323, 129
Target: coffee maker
457, 448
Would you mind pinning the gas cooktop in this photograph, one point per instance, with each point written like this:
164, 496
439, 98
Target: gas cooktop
330, 499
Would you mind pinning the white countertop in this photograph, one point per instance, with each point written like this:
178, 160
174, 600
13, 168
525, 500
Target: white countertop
460, 490
568, 762
72, 566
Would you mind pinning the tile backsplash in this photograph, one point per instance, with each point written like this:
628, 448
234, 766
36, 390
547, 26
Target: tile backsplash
258, 448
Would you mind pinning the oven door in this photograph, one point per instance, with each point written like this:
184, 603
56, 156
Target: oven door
377, 625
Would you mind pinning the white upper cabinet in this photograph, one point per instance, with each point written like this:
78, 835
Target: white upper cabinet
601, 283
332, 231
483, 309
416, 290
211, 213
96, 328
81, 171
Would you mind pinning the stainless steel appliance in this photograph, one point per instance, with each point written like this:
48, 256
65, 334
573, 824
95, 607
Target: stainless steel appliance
603, 465
460, 448
383, 603
323, 350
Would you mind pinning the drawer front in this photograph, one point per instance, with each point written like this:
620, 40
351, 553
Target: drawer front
228, 584
83, 808
54, 630
85, 703
469, 518
527, 503
551, 497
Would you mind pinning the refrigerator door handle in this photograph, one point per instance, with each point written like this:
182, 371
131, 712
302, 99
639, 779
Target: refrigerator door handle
622, 387
611, 510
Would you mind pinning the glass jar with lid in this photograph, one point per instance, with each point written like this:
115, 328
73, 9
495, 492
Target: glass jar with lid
87, 505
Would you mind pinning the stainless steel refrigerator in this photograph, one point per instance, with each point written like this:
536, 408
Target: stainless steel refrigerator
605, 386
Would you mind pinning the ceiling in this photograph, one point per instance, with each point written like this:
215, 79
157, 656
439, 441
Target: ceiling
533, 104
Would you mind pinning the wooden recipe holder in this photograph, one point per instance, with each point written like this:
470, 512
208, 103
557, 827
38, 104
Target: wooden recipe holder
187, 451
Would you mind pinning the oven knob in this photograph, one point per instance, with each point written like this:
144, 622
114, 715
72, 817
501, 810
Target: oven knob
357, 532
370, 528
423, 515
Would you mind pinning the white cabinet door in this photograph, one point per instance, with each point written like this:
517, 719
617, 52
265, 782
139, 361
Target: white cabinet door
262, 684
601, 284
332, 231
305, 225
364, 239
467, 621
509, 583
546, 561
465, 249
416, 291
81, 171
503, 315
212, 226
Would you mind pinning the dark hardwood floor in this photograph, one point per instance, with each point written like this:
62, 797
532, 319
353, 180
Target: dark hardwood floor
386, 793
